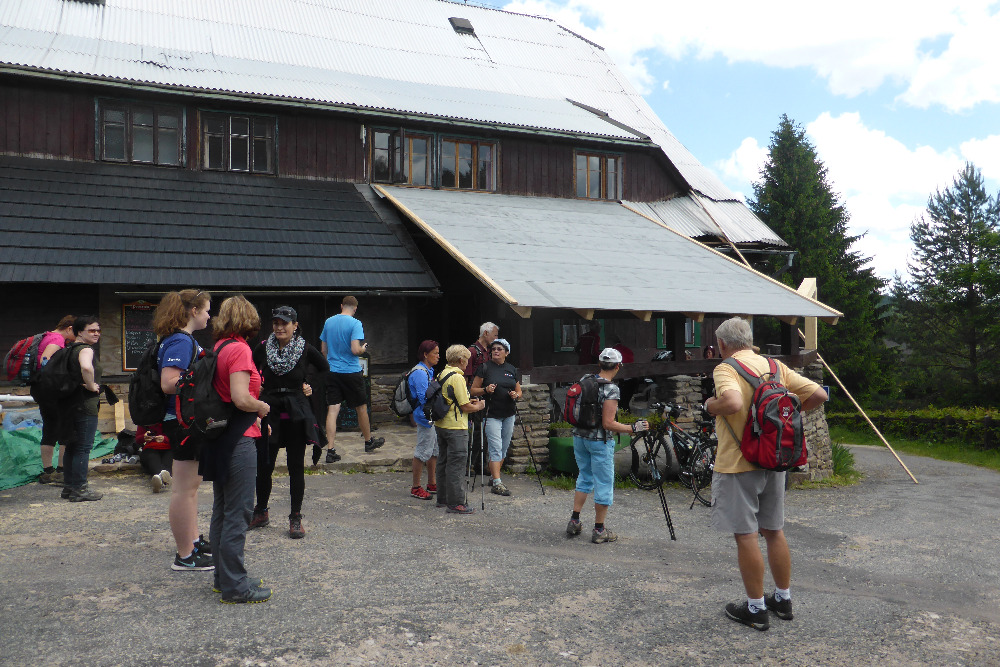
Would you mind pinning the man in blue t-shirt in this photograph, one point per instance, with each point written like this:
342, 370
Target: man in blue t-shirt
341, 343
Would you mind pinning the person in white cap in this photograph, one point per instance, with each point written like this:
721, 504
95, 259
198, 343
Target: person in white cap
594, 450
498, 382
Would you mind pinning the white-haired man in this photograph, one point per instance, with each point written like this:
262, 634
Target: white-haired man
479, 354
747, 500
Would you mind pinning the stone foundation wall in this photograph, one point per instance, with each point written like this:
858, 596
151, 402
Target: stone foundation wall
534, 410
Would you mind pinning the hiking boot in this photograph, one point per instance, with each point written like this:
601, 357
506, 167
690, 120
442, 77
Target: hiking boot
295, 529
84, 493
432, 489
217, 587
440, 503
254, 595
196, 562
741, 614
47, 477
500, 489
781, 608
601, 536
157, 483
332, 456
574, 527
373, 444
260, 519
203, 547
165, 476
58, 477
460, 509
65, 493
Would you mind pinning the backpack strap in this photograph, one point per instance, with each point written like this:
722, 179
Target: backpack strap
745, 372
454, 402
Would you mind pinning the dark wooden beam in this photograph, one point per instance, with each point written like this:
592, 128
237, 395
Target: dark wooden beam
526, 340
550, 374
789, 339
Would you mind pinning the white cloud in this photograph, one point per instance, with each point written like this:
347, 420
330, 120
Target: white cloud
857, 45
985, 154
745, 163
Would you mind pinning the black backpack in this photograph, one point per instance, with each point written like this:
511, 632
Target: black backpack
59, 378
436, 407
583, 404
146, 402
199, 405
403, 403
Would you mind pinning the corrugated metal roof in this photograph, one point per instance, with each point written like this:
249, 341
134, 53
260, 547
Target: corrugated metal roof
400, 55
687, 217
568, 253
101, 223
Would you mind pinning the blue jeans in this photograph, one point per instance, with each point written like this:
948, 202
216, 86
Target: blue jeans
231, 513
596, 461
78, 450
498, 433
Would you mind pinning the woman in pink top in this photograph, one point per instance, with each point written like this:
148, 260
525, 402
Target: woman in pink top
51, 342
231, 460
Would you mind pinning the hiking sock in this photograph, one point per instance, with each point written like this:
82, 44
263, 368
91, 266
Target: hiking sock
598, 527
575, 516
755, 605
59, 468
782, 594
49, 470
495, 481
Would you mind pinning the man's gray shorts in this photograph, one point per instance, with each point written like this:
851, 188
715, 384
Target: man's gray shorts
427, 443
744, 502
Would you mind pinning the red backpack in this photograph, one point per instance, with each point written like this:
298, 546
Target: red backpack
773, 437
21, 363
583, 403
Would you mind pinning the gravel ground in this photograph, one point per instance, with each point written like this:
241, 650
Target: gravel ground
885, 571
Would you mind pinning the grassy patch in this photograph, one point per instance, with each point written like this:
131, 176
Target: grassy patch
956, 451
568, 482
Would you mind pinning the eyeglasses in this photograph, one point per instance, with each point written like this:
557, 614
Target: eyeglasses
91, 331
498, 349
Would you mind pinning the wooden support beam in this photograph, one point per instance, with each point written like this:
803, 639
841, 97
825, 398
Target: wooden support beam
790, 320
789, 339
697, 317
644, 315
673, 333
526, 341
523, 311
585, 313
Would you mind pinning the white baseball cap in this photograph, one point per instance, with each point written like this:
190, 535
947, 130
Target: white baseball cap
610, 355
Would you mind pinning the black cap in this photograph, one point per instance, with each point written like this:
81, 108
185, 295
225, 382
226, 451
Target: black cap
286, 313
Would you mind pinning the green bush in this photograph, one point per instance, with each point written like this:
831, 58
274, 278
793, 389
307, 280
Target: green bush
843, 460
979, 427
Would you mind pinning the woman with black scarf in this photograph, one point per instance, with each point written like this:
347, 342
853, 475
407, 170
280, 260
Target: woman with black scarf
283, 360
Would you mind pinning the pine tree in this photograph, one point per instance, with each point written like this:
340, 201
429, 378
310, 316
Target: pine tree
795, 199
950, 309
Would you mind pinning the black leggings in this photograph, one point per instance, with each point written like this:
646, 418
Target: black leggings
266, 457
155, 460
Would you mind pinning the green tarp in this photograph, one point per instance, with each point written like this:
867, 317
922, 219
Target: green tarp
20, 456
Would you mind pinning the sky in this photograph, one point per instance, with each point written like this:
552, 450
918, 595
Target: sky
895, 97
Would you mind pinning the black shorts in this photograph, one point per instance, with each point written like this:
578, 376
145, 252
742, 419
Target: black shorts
184, 443
349, 387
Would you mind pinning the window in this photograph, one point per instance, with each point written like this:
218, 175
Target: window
598, 176
468, 165
692, 333
399, 157
141, 133
568, 332
238, 143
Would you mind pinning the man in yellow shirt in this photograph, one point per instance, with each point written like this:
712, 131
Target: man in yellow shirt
453, 431
747, 499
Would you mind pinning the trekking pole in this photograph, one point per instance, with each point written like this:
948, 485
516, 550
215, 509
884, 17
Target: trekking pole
666, 512
517, 415
482, 466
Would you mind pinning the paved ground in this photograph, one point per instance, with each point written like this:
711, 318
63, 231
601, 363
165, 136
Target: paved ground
885, 572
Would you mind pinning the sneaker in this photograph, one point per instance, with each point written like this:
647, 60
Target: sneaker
196, 562
295, 529
574, 527
373, 444
254, 595
165, 476
432, 489
601, 536
781, 608
460, 509
332, 456
157, 483
260, 519
217, 587
84, 493
418, 492
500, 489
741, 614
202, 546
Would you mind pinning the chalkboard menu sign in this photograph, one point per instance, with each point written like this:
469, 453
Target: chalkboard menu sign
137, 332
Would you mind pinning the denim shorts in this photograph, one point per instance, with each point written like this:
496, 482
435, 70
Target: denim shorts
427, 443
744, 502
498, 434
596, 461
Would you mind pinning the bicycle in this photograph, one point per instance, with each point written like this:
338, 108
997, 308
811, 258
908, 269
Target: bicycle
690, 457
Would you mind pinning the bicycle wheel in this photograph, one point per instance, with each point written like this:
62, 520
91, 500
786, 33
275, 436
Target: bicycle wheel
700, 470
648, 461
